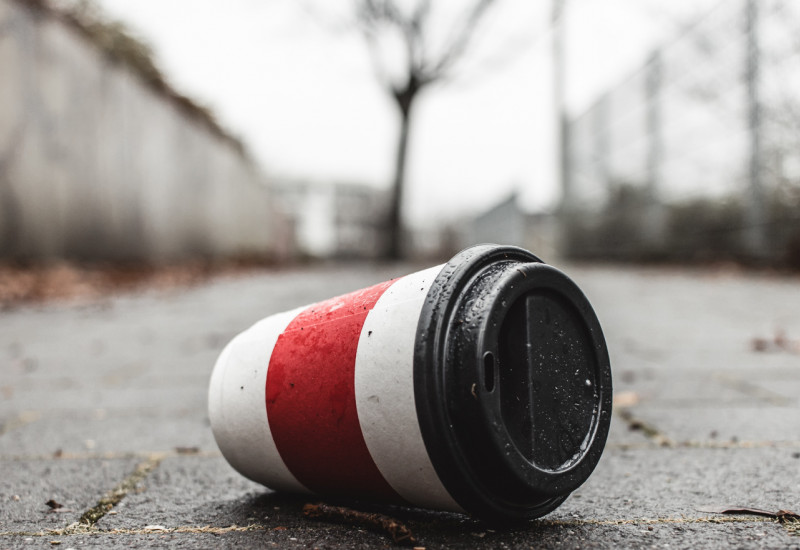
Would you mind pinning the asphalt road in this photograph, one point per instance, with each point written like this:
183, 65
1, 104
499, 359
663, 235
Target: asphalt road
103, 412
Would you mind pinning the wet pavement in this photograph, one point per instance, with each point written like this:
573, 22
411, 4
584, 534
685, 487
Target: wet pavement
103, 412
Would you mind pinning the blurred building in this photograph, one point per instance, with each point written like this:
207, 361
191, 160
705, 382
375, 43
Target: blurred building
507, 223
342, 220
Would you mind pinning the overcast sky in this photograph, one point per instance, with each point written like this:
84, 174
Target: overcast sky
304, 98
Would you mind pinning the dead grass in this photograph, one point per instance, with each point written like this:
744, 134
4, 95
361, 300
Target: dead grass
26, 284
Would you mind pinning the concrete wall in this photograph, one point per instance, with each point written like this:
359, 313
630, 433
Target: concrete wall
96, 164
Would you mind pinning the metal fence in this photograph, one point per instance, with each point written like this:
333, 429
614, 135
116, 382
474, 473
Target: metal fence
698, 151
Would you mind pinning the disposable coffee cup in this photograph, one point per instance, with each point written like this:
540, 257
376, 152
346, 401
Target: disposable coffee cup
482, 385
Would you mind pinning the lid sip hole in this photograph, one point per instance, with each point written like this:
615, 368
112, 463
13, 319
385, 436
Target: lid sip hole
488, 371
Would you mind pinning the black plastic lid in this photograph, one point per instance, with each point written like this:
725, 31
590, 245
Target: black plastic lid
512, 383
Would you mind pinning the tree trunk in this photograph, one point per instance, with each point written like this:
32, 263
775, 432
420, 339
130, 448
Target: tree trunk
394, 222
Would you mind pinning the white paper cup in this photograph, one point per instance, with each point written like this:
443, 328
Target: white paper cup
481, 385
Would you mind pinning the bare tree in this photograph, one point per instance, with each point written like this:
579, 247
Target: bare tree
428, 59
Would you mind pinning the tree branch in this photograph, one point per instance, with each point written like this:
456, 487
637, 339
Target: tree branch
425, 66
461, 38
378, 68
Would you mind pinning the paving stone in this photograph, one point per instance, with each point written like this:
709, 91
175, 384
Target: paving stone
439, 533
129, 374
621, 435
637, 483
683, 387
672, 483
188, 490
26, 485
179, 394
134, 431
724, 424
782, 385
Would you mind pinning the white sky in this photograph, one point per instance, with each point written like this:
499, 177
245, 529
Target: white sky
305, 100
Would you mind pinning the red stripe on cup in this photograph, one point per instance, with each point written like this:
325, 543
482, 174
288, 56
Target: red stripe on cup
311, 404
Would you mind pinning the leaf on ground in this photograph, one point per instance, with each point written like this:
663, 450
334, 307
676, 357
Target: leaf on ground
187, 450
779, 342
626, 399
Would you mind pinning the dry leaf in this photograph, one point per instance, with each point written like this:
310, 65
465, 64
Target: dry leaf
626, 399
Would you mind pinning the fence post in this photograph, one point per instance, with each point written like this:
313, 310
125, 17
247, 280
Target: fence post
562, 138
601, 146
655, 220
558, 75
755, 241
